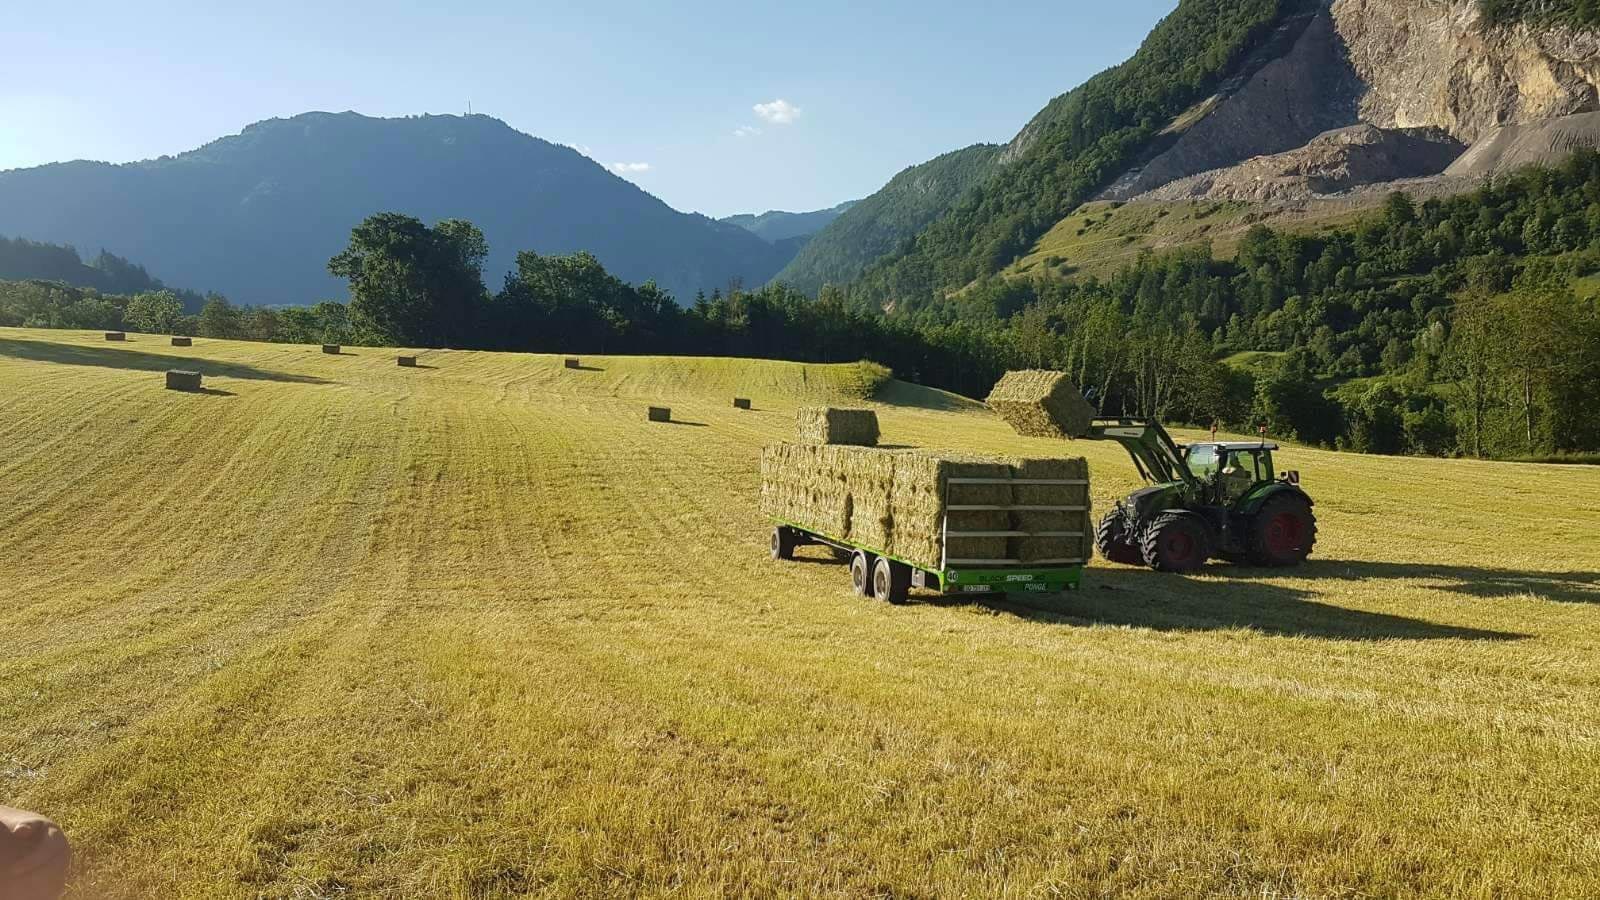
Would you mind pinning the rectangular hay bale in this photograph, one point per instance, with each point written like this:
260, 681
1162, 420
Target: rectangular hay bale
116, 336
182, 342
1042, 404
842, 427
741, 403
183, 380
331, 349
573, 364
659, 414
407, 362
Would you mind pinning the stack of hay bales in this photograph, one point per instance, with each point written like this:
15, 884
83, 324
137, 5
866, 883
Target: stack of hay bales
846, 427
182, 342
899, 503
1042, 404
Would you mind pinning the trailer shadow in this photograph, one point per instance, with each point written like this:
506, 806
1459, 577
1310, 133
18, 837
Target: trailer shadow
139, 361
1139, 599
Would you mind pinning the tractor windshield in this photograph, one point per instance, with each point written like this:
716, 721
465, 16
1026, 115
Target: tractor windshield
1203, 461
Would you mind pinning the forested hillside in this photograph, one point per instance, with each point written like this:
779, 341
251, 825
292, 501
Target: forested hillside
1584, 13
22, 259
884, 221
775, 225
1075, 146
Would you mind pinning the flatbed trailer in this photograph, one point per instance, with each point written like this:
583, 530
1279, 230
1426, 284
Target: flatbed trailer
874, 573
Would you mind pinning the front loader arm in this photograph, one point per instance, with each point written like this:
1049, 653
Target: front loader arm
1154, 452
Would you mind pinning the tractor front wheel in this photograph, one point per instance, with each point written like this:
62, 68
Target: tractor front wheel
1114, 541
1283, 533
1176, 542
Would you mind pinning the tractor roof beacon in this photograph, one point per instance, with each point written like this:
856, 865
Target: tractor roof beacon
1216, 499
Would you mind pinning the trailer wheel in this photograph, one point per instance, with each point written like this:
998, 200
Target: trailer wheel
861, 573
783, 543
891, 581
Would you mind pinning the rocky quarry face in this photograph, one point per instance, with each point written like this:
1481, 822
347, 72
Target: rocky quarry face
1356, 93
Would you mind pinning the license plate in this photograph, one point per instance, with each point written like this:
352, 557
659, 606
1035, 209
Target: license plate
977, 589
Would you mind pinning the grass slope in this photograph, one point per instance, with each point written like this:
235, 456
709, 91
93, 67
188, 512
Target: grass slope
479, 630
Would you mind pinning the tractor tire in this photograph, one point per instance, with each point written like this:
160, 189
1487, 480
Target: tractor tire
1114, 542
783, 543
861, 574
891, 581
1176, 542
1283, 532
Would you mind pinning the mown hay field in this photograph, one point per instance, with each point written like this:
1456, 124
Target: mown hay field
334, 627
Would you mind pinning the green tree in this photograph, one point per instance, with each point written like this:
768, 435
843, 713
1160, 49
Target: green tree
155, 312
411, 284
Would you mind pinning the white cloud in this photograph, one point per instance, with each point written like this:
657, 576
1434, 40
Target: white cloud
778, 112
746, 131
634, 168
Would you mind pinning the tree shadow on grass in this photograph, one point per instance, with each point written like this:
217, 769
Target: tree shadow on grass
112, 357
1473, 581
1143, 599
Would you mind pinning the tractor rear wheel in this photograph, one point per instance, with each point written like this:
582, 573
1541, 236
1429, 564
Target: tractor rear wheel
891, 581
861, 574
1283, 533
1176, 542
1114, 541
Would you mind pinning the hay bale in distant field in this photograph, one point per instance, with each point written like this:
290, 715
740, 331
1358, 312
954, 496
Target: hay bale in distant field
844, 427
182, 342
407, 362
574, 364
331, 349
904, 503
741, 403
1042, 404
659, 414
116, 335
183, 380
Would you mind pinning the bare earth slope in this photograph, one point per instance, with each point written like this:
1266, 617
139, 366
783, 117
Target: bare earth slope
479, 630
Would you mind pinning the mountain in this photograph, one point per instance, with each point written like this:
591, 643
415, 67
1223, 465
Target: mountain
1269, 102
775, 226
257, 215
880, 223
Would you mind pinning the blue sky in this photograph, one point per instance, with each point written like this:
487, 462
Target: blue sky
717, 107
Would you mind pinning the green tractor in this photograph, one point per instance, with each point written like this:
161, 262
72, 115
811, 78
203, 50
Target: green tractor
1219, 499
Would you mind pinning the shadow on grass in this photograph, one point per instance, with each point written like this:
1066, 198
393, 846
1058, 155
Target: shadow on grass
111, 357
1142, 599
584, 369
686, 424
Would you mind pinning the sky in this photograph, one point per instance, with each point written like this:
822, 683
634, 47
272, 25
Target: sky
715, 107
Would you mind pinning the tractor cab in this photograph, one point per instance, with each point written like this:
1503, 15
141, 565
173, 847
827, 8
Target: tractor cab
1233, 470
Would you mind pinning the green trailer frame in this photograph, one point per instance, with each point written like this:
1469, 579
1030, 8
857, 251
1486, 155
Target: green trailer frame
961, 577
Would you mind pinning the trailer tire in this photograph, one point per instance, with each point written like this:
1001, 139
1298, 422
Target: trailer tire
861, 573
783, 543
891, 581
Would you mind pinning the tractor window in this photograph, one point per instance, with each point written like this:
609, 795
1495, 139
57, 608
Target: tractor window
1203, 461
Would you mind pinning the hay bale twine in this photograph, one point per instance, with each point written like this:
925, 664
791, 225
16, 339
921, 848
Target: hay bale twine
331, 349
182, 342
659, 414
741, 403
1042, 404
407, 362
183, 380
116, 335
827, 425
574, 363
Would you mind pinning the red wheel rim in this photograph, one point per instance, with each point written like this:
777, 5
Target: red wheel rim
1284, 534
1179, 546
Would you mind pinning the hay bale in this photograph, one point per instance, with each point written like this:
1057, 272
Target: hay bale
183, 380
182, 342
407, 362
574, 364
899, 503
845, 427
659, 414
1042, 404
331, 349
1058, 534
741, 403
116, 335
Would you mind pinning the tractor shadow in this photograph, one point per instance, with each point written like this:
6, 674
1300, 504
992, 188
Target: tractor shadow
1245, 599
138, 361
